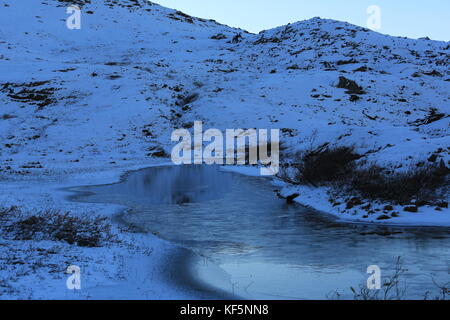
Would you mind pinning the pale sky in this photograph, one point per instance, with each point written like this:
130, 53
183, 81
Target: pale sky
409, 18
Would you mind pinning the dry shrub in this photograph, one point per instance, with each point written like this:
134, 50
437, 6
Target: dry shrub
84, 231
427, 183
325, 165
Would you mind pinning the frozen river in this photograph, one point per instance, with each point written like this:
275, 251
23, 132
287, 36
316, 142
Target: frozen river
270, 249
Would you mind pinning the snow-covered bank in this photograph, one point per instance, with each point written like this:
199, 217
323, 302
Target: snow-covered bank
325, 200
132, 266
351, 209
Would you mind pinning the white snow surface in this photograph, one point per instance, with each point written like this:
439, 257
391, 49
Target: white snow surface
111, 99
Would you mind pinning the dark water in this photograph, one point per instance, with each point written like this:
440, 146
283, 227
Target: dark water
271, 249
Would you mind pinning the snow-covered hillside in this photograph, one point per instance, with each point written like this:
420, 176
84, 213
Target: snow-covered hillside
108, 96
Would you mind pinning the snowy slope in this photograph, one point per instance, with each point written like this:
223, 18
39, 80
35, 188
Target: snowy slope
124, 71
108, 78
75, 103
126, 67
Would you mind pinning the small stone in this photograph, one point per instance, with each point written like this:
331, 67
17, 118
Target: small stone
433, 157
353, 202
421, 203
443, 204
411, 209
354, 98
335, 204
290, 199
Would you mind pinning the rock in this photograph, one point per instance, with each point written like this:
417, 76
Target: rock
344, 62
433, 157
388, 208
219, 36
351, 86
361, 69
237, 38
354, 98
353, 202
293, 67
290, 199
433, 116
433, 73
383, 217
335, 204
157, 152
160, 154
443, 204
411, 209
421, 203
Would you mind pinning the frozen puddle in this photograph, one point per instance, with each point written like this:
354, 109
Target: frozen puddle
270, 249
